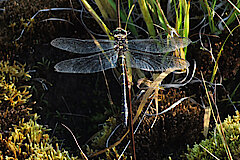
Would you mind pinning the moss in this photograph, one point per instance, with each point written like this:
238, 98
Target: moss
214, 144
14, 94
21, 137
10, 76
99, 140
29, 140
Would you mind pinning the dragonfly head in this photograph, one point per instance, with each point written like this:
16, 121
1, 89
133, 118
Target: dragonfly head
120, 33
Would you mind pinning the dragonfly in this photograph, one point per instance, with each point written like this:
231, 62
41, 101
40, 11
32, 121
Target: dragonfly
143, 54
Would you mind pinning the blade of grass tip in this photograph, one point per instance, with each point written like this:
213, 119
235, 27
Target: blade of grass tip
219, 55
129, 14
97, 18
147, 18
131, 27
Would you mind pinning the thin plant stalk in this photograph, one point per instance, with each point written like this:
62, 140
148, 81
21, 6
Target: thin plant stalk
220, 130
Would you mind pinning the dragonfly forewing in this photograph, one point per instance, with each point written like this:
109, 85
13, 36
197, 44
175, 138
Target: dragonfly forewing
89, 64
82, 46
150, 62
158, 45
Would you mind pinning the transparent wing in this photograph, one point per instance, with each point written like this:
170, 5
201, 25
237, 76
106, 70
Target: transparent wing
89, 64
158, 45
82, 46
149, 62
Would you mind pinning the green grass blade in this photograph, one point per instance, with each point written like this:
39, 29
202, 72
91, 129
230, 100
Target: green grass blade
235, 13
124, 18
153, 10
97, 18
106, 9
180, 15
129, 16
182, 21
210, 11
161, 16
186, 23
219, 55
147, 18
235, 90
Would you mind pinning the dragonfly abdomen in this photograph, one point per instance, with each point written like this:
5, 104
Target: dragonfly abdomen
124, 87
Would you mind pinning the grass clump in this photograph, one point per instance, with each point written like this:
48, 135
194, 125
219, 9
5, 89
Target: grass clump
214, 145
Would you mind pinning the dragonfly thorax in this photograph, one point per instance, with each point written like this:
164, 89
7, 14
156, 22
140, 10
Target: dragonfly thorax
120, 36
